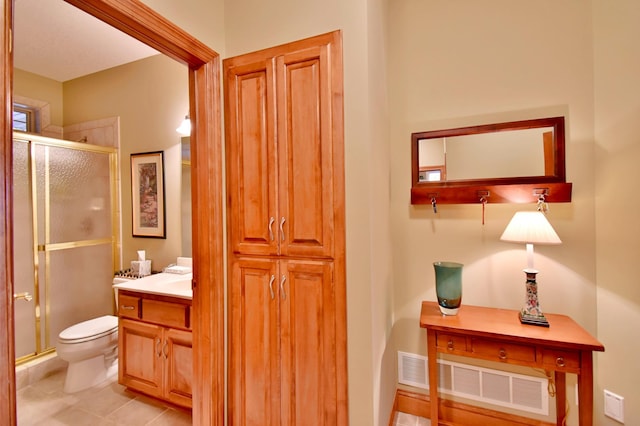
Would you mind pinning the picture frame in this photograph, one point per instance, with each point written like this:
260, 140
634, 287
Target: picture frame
147, 195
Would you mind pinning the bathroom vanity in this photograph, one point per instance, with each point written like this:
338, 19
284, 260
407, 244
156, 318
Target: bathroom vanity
155, 336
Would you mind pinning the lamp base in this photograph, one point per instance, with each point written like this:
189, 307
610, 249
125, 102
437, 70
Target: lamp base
540, 320
531, 312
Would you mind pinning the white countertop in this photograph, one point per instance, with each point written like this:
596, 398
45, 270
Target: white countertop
164, 284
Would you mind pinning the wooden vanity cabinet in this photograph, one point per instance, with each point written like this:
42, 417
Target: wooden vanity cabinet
155, 346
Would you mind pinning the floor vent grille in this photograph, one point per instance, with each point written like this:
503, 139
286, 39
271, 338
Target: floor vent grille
502, 388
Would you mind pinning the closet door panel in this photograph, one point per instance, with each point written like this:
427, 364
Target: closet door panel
251, 161
305, 152
308, 343
253, 354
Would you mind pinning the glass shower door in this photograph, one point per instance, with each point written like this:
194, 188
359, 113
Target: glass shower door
24, 267
64, 195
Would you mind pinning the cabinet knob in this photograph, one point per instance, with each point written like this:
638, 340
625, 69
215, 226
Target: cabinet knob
450, 345
560, 361
502, 354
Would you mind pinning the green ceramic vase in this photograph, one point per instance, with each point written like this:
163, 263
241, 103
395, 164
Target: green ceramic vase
448, 286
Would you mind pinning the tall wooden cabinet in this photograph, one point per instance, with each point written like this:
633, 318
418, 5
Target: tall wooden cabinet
285, 190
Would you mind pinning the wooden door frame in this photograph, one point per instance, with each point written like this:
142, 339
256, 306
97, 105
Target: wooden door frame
142, 23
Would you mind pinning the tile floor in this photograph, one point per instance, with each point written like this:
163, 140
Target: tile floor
109, 404
404, 419
41, 401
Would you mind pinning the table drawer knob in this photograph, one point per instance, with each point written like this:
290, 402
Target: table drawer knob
560, 362
450, 345
502, 354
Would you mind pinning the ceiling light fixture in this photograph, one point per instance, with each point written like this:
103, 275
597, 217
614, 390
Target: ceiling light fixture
185, 127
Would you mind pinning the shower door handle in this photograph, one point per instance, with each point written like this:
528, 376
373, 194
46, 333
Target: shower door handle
26, 296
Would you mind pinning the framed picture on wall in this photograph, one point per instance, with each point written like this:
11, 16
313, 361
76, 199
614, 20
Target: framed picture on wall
147, 194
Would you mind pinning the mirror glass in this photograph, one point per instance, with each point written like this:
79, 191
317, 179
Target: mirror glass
501, 162
185, 196
485, 155
494, 151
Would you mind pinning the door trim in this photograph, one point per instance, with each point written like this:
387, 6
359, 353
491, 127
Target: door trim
142, 23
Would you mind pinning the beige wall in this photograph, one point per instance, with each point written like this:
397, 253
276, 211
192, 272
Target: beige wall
463, 63
151, 98
617, 148
38, 88
450, 64
252, 25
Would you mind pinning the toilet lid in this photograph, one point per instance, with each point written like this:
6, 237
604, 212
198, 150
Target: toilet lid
89, 330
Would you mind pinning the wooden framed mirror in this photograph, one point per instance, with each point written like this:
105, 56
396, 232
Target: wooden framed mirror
512, 162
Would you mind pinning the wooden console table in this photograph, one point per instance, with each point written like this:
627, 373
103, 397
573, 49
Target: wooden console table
497, 335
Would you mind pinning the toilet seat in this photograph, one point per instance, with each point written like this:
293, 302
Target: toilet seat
89, 330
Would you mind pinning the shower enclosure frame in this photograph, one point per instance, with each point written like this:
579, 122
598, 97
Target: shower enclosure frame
42, 284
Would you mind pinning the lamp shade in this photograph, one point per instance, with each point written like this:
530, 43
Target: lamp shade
531, 228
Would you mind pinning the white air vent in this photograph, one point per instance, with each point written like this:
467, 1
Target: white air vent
412, 370
521, 392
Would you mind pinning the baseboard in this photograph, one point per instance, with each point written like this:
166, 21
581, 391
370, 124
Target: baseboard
456, 413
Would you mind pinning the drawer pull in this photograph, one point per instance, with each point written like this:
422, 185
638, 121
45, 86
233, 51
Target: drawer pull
158, 351
128, 308
165, 350
502, 354
560, 361
450, 345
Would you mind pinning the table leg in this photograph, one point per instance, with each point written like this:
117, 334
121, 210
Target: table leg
585, 389
432, 360
561, 397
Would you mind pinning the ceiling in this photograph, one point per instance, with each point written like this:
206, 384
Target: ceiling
56, 40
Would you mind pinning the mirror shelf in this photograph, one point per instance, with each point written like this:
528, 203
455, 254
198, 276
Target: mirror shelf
512, 162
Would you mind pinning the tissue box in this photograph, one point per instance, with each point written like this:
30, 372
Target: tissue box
141, 268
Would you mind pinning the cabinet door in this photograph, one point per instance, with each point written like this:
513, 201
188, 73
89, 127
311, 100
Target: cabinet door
307, 176
254, 394
308, 365
251, 156
140, 356
284, 145
178, 373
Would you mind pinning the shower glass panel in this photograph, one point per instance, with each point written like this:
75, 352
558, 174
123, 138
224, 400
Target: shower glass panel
24, 268
68, 199
83, 293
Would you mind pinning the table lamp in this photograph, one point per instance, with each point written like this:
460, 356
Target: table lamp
531, 228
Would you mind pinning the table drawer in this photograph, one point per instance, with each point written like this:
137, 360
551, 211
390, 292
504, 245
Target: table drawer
558, 359
451, 343
128, 306
166, 313
502, 351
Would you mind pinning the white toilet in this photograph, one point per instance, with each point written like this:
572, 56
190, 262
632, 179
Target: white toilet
91, 348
